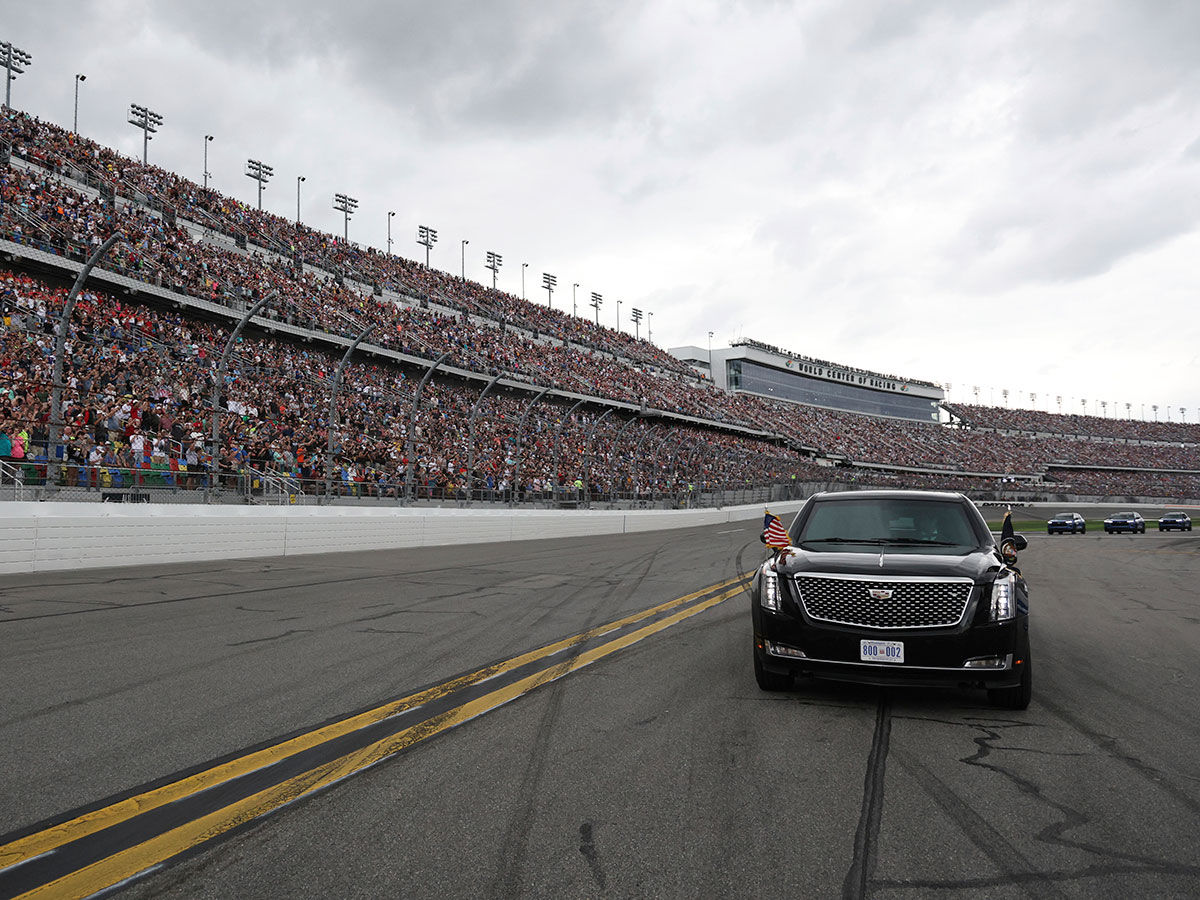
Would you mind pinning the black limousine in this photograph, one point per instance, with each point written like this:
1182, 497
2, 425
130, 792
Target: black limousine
894, 587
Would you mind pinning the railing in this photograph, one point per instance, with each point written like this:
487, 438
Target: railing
12, 477
271, 487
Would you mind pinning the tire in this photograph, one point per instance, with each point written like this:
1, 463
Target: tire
1083, 529
1142, 530
1016, 697
769, 681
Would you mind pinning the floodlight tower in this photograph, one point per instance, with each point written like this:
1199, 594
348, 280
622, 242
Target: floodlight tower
261, 173
389, 221
346, 205
426, 237
636, 315
147, 120
78, 78
597, 302
549, 282
494, 262
15, 60
207, 139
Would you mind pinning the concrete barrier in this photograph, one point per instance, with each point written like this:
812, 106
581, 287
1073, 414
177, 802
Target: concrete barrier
36, 537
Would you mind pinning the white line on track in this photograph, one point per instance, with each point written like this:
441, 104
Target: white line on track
732, 531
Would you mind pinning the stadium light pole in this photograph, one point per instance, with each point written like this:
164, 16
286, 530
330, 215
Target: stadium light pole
147, 120
426, 237
524, 266
710, 353
299, 179
636, 315
494, 262
1154, 406
462, 272
75, 126
649, 322
346, 205
1183, 414
389, 221
597, 302
549, 282
618, 315
574, 288
207, 139
260, 172
15, 61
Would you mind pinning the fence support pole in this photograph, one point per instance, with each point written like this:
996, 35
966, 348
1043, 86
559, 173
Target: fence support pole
558, 432
587, 483
214, 470
471, 446
60, 344
409, 487
516, 482
333, 416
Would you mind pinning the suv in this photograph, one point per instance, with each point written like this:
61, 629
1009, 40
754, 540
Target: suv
894, 587
1175, 519
1066, 522
1125, 521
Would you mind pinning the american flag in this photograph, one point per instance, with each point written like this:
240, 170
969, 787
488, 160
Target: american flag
776, 534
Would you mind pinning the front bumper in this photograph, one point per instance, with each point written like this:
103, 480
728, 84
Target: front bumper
787, 644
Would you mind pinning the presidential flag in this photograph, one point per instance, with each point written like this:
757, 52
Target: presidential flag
775, 534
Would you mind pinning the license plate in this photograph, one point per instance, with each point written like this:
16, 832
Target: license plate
881, 651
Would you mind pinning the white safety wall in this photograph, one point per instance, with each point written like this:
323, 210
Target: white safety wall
48, 536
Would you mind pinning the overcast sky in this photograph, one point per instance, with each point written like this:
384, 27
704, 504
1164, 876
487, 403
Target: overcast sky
991, 194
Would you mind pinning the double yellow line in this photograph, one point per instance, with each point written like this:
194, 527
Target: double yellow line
127, 863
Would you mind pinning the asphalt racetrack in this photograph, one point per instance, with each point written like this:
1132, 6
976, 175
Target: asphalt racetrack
575, 719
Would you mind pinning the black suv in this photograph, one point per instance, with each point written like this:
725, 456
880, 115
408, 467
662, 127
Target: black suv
894, 587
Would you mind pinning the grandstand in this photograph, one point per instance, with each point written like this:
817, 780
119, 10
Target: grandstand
523, 403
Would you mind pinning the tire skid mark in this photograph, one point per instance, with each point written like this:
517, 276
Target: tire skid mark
508, 881
866, 836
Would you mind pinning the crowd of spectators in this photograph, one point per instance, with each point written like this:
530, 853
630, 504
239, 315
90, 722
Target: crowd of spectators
485, 331
1035, 422
138, 382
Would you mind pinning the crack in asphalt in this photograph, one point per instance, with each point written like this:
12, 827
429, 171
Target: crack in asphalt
1019, 870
